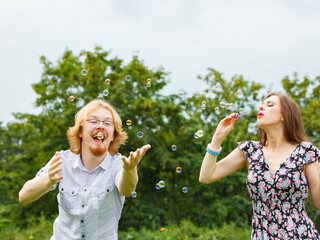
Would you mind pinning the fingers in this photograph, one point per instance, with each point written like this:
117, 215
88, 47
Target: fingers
128, 162
55, 158
144, 149
231, 117
138, 154
135, 157
55, 171
55, 168
55, 163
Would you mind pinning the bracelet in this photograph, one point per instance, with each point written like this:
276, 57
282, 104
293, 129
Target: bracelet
213, 151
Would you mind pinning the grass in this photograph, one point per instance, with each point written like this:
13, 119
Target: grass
42, 229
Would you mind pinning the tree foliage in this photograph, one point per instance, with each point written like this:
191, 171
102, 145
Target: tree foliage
31, 140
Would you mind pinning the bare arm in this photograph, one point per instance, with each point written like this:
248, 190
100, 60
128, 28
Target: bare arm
211, 170
312, 172
128, 179
40, 185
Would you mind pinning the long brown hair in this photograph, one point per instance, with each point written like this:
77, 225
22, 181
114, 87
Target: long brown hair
292, 121
73, 132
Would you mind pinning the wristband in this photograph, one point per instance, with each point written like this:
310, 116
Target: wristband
213, 151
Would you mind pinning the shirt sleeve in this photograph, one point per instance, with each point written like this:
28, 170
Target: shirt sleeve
247, 148
312, 153
117, 166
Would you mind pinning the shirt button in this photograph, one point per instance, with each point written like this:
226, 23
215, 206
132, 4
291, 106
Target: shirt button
108, 190
61, 189
82, 236
83, 205
85, 189
72, 192
82, 221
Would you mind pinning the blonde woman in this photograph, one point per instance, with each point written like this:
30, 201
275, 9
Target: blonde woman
282, 167
93, 178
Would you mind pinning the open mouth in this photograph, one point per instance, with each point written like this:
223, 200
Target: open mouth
99, 137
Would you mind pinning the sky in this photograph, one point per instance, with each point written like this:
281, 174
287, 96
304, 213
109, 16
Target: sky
263, 41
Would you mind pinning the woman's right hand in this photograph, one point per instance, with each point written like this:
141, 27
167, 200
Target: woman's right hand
225, 126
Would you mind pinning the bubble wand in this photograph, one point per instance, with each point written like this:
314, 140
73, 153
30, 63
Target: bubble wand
239, 115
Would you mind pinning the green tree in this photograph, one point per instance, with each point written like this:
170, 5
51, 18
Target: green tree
28, 143
306, 92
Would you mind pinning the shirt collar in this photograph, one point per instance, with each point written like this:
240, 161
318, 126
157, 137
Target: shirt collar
77, 162
104, 164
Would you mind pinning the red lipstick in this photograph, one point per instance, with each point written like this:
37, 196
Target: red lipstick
260, 114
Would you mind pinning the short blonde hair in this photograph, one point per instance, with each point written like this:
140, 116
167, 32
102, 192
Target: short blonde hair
119, 136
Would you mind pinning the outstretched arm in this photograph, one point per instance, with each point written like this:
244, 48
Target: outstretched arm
127, 180
211, 170
40, 185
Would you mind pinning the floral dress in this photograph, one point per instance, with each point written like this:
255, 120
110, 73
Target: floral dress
278, 198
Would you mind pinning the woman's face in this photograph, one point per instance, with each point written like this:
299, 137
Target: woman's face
270, 112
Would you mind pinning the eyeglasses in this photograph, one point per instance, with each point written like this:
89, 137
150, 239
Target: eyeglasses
95, 122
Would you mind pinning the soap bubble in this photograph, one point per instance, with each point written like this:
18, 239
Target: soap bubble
100, 96
84, 72
174, 147
184, 189
241, 110
217, 110
134, 194
100, 135
71, 98
127, 77
149, 80
178, 169
218, 87
148, 84
158, 186
196, 94
181, 93
105, 92
129, 122
139, 134
228, 105
200, 133
196, 136
203, 107
107, 81
239, 94
162, 184
222, 104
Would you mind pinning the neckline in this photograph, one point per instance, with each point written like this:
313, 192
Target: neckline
281, 164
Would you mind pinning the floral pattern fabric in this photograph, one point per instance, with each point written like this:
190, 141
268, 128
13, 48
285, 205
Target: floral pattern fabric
279, 198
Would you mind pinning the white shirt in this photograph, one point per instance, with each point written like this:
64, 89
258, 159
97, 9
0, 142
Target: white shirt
90, 204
